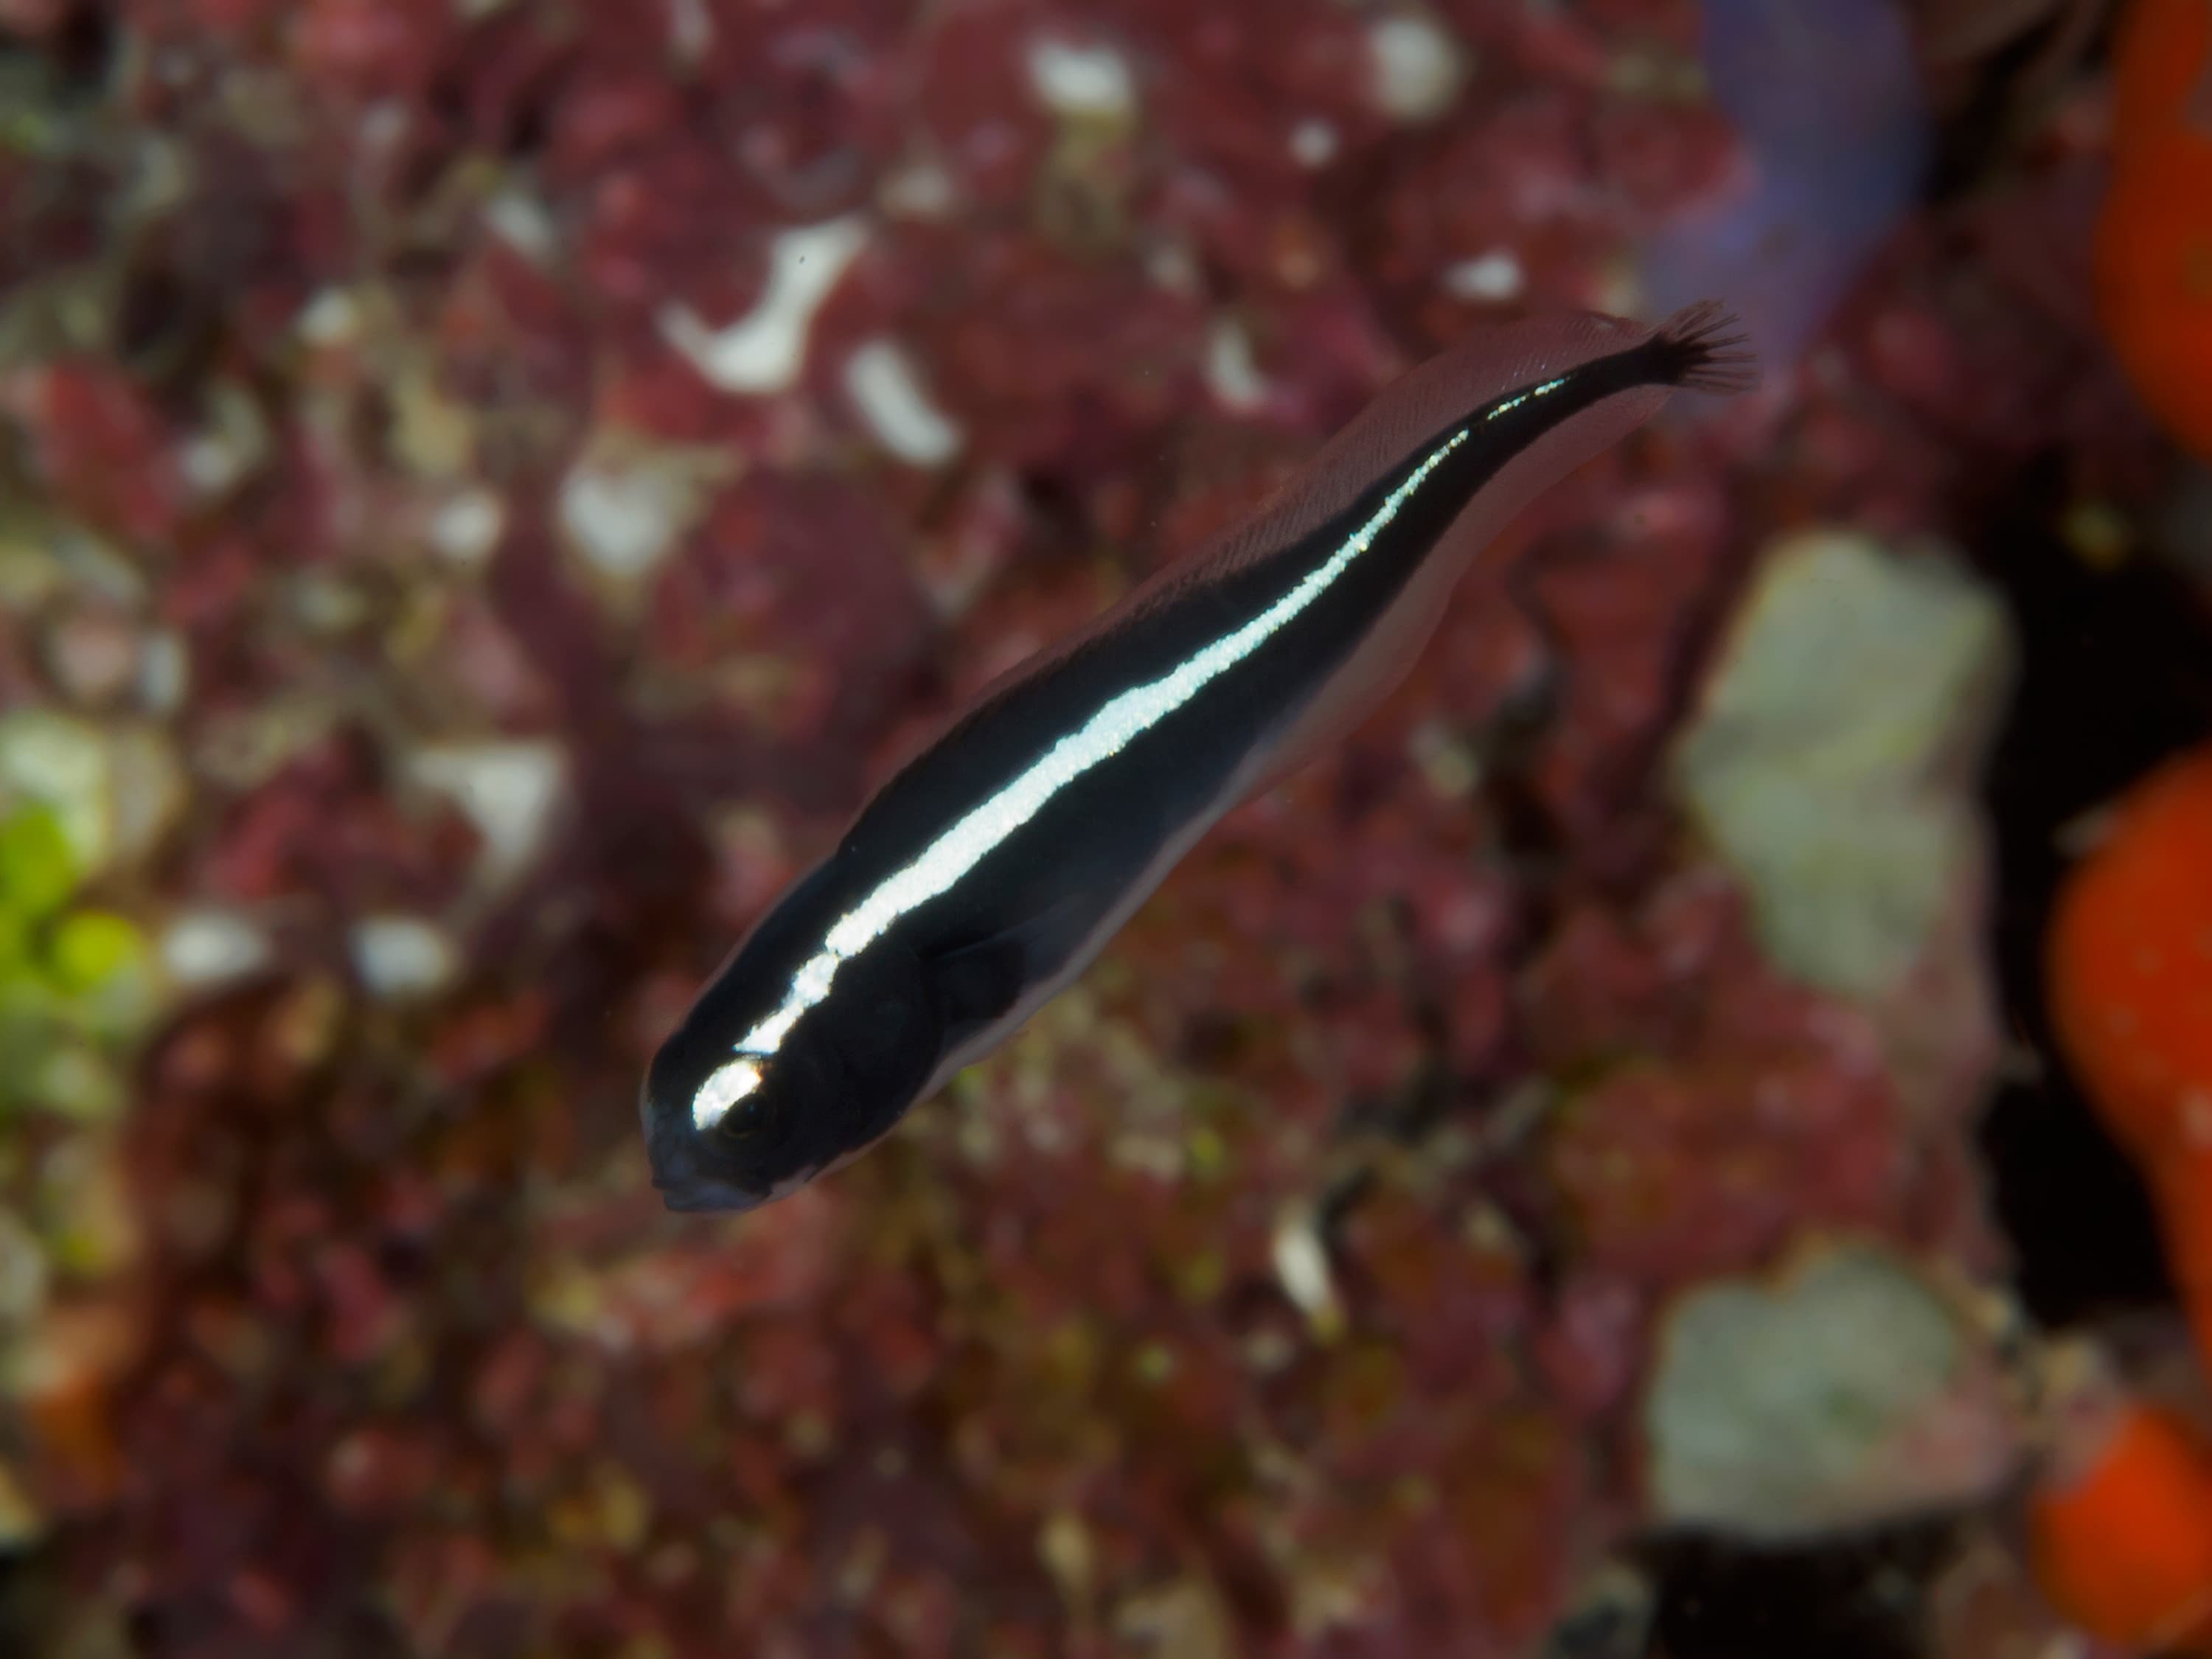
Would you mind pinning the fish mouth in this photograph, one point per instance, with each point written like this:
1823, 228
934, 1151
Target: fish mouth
684, 1190
681, 1175
692, 1195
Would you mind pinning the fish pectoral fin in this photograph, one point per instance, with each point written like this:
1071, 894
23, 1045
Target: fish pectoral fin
978, 983
979, 979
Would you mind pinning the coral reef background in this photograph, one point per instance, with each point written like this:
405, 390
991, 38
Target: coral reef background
485, 485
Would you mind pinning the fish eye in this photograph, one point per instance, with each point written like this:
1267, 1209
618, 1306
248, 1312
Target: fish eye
747, 1117
730, 1102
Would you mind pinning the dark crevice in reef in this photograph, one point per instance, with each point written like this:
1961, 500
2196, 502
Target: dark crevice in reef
2115, 674
1861, 1598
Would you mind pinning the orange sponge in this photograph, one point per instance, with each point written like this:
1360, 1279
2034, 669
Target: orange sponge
2162, 70
2121, 1541
2128, 960
2153, 238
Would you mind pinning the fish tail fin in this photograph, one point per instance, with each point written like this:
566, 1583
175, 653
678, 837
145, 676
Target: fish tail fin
1704, 348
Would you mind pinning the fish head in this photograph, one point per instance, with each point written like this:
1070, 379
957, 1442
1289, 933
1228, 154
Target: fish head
764, 1087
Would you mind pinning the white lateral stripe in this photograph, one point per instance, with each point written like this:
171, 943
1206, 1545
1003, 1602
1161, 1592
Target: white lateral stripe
725, 1086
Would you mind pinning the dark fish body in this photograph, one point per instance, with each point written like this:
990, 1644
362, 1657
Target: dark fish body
994, 867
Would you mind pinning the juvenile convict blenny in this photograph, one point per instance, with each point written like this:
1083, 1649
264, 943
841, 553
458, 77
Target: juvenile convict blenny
991, 869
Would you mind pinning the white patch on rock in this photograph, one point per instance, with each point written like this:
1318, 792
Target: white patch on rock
881, 380
333, 318
233, 445
764, 350
1314, 142
231, 449
1082, 82
1173, 267
1415, 67
209, 466
1230, 373
1495, 276
161, 179
467, 527
624, 506
398, 956
520, 221
690, 30
1830, 760
62, 763
383, 125
1844, 1391
619, 521
1302, 1266
507, 790
93, 563
93, 655
165, 673
919, 188
212, 946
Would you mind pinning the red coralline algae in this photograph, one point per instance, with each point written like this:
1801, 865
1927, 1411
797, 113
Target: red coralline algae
100, 447
796, 604
1719, 1121
399, 379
